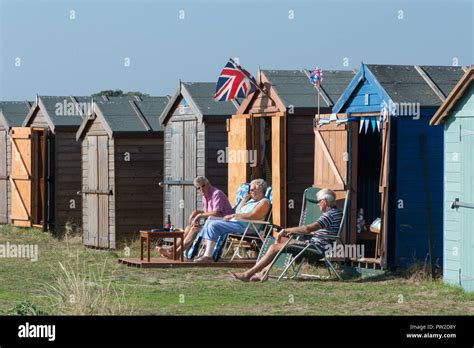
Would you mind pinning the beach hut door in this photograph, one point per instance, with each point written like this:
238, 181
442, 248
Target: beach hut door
238, 130
21, 176
183, 194
383, 189
331, 157
98, 191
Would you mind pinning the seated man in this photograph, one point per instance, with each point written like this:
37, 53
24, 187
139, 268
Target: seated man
327, 224
254, 206
214, 203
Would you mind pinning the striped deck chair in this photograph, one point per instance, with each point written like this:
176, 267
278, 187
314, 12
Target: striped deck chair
230, 241
310, 213
309, 252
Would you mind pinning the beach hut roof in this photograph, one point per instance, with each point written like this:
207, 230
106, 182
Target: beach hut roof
453, 97
294, 88
13, 113
126, 115
200, 97
50, 105
423, 84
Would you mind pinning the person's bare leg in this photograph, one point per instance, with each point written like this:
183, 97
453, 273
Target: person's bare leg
259, 266
189, 237
260, 276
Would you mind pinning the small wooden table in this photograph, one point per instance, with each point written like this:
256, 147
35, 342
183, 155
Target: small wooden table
147, 235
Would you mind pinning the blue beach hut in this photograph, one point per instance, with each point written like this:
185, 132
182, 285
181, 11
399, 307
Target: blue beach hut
390, 158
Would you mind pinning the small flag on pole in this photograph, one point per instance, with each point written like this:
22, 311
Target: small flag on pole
316, 77
234, 82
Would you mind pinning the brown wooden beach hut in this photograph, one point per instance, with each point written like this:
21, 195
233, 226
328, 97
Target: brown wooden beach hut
122, 164
46, 163
195, 144
12, 114
275, 130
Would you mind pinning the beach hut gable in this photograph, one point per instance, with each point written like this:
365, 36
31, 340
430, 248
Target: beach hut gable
95, 122
363, 94
259, 102
38, 116
174, 102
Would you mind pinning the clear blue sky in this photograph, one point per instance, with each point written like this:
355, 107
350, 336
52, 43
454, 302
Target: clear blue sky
63, 56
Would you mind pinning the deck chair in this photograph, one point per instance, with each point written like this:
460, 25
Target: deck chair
310, 212
230, 241
309, 252
222, 245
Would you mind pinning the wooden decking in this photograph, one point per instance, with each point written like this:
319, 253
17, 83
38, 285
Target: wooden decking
165, 263
367, 262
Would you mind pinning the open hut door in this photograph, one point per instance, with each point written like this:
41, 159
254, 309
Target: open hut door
21, 183
239, 142
97, 191
380, 248
333, 144
39, 182
3, 178
278, 160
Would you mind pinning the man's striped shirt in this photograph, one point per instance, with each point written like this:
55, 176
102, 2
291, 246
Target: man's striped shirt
330, 222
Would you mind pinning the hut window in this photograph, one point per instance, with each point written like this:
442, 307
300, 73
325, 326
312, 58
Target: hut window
184, 103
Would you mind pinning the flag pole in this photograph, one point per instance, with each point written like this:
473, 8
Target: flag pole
319, 86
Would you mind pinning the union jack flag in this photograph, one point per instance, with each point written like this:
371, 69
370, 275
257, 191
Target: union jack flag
234, 82
316, 77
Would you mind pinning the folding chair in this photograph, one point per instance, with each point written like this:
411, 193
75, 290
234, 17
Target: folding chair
263, 227
312, 253
310, 212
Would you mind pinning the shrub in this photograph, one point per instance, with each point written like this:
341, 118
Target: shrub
25, 308
80, 289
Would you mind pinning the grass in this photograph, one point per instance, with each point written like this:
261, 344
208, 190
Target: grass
126, 290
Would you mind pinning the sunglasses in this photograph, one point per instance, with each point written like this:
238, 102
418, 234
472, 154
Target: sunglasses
200, 187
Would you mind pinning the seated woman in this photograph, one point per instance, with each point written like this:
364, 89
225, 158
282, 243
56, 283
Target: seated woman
214, 203
254, 206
